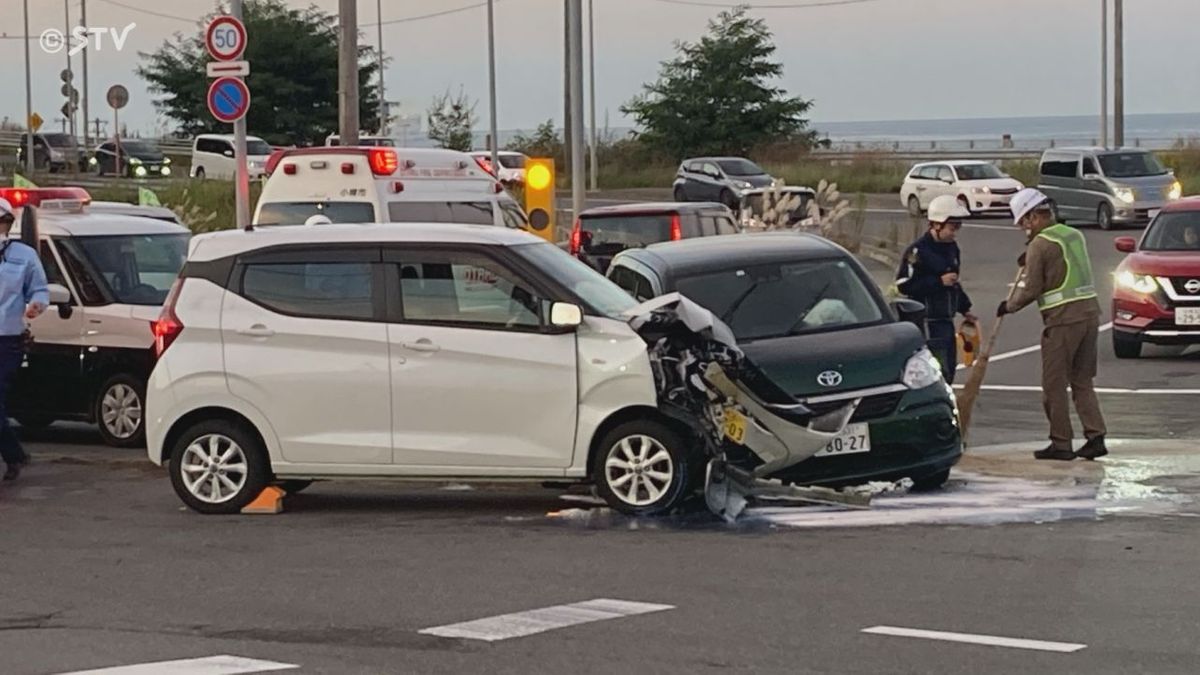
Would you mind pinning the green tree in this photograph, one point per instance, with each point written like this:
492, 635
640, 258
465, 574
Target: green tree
293, 76
543, 142
714, 97
452, 121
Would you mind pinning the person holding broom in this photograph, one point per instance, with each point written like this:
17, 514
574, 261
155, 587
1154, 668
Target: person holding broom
1058, 276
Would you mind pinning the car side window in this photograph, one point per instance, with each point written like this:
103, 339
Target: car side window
623, 277
689, 226
643, 290
725, 225
513, 216
928, 172
318, 290
54, 274
1088, 167
467, 288
696, 167
1060, 165
712, 170
944, 173
90, 289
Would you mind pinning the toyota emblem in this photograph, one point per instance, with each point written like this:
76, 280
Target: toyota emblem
1192, 286
829, 378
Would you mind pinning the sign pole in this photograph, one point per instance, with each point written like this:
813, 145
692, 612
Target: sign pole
29, 164
242, 182
117, 138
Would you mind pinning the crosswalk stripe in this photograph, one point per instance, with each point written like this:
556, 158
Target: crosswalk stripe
211, 665
990, 640
531, 622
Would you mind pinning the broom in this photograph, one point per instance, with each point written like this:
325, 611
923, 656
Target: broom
970, 391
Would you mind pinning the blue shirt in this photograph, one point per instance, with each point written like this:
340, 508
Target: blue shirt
22, 281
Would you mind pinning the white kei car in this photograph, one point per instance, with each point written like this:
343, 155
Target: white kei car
980, 187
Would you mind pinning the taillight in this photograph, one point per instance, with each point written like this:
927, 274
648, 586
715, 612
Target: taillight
168, 326
676, 228
485, 164
347, 167
289, 169
383, 161
576, 238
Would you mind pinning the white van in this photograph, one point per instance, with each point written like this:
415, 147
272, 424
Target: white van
383, 185
213, 157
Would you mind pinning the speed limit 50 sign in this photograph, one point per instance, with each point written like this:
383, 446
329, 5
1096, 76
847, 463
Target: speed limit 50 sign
225, 38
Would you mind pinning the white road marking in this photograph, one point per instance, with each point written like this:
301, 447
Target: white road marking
1004, 356
212, 665
991, 640
531, 622
1099, 390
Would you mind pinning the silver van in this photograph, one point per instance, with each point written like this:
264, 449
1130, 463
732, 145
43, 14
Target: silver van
1107, 187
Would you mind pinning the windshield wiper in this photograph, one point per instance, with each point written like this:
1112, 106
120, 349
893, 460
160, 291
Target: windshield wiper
804, 314
737, 303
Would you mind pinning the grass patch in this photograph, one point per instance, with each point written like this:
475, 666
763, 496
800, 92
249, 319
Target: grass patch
204, 206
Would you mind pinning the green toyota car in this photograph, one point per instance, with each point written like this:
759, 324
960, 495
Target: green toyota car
818, 335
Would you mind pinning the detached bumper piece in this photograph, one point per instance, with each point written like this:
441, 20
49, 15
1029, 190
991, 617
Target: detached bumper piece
697, 368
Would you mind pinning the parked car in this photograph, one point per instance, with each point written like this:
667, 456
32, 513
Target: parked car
603, 232
810, 320
366, 141
718, 179
980, 187
1107, 187
52, 152
512, 166
756, 201
383, 185
91, 353
131, 158
213, 157
1156, 299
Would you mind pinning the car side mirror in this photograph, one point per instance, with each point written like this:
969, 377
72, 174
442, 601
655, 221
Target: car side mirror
565, 315
60, 297
910, 311
228, 153
1125, 244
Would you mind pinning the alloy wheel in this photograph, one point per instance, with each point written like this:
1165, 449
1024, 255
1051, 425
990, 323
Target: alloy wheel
214, 468
121, 411
639, 470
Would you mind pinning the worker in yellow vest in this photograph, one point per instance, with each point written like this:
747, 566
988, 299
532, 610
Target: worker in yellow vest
1058, 276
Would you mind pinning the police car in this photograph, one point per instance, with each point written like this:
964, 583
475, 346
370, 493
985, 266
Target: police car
93, 348
383, 185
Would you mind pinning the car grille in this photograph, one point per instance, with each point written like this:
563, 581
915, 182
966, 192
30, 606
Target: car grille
1180, 282
1004, 191
870, 408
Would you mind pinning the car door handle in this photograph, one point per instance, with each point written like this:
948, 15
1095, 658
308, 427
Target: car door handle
421, 345
920, 188
257, 331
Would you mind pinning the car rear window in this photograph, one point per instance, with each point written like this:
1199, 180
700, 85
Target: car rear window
512, 161
295, 213
465, 213
625, 231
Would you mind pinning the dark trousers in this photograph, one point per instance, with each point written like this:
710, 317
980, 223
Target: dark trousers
12, 353
943, 342
1069, 355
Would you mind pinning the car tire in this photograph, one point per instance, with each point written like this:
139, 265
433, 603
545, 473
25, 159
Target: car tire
1104, 216
35, 421
119, 411
642, 468
728, 199
679, 194
218, 467
200, 173
294, 486
931, 482
914, 206
1126, 347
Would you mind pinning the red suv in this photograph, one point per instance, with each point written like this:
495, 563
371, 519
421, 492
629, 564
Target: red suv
1156, 298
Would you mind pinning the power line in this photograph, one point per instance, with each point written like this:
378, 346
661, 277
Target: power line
798, 5
151, 12
432, 15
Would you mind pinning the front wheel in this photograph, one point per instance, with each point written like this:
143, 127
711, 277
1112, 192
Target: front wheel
680, 196
728, 199
119, 408
218, 467
914, 206
642, 468
1104, 216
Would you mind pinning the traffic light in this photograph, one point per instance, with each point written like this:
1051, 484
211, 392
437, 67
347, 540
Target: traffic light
539, 197
70, 93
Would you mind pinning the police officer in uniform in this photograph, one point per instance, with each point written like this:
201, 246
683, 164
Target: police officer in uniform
928, 274
1058, 276
23, 296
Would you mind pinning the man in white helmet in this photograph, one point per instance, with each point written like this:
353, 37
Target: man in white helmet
928, 274
1058, 276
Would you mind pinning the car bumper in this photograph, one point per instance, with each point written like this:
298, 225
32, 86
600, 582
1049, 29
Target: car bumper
989, 202
1135, 213
1140, 318
920, 439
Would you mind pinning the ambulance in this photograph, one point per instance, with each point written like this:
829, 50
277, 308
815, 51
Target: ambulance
383, 185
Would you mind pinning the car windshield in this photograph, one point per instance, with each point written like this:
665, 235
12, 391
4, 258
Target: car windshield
131, 269
512, 161
775, 300
589, 285
978, 172
1174, 232
465, 213
740, 167
619, 232
59, 140
139, 148
296, 213
1131, 165
258, 148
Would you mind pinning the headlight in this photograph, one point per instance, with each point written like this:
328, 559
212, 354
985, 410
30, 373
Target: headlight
743, 184
982, 190
1176, 191
140, 171
1124, 194
166, 171
1138, 283
922, 370
93, 160
134, 161
166, 160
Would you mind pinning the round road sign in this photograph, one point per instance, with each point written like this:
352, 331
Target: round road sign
228, 99
117, 96
225, 38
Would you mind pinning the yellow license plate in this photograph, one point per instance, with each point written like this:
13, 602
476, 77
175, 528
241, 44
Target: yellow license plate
735, 426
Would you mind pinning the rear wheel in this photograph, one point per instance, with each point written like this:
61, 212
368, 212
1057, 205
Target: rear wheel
119, 410
914, 206
1126, 346
218, 467
1104, 216
679, 194
642, 468
200, 173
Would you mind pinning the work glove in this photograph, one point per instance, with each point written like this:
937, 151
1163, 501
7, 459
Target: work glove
1002, 309
1021, 260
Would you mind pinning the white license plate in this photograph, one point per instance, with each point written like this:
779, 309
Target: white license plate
854, 439
1187, 316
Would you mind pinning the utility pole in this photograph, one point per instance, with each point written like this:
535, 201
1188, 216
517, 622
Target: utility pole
348, 72
566, 84
1104, 73
83, 22
383, 104
241, 186
592, 92
578, 176
69, 85
1119, 73
28, 98
491, 40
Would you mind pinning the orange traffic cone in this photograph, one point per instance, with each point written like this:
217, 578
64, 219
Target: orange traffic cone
269, 501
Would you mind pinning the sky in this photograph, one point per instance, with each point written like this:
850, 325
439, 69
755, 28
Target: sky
873, 60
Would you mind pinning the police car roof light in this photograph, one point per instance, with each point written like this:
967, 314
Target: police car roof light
383, 161
19, 197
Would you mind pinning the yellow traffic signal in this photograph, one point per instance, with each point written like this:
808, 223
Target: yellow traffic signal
539, 197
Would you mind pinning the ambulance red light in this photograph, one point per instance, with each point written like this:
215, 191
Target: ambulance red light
383, 161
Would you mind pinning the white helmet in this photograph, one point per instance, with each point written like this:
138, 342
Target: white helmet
1025, 201
946, 208
319, 219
